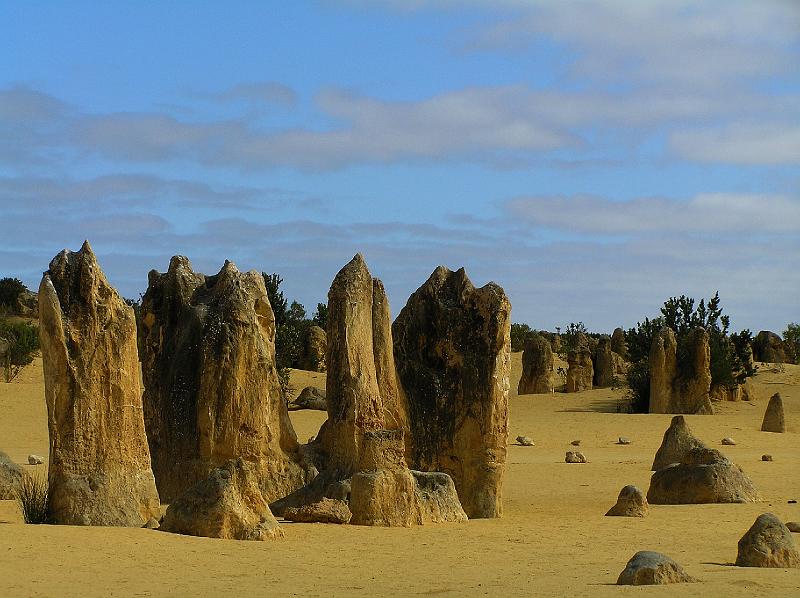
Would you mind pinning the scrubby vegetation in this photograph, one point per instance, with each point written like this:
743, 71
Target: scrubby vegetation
731, 356
19, 342
520, 332
33, 498
791, 342
10, 291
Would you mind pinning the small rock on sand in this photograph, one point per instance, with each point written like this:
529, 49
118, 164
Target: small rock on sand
35, 460
652, 568
728, 441
793, 526
575, 457
524, 441
623, 440
575, 443
766, 457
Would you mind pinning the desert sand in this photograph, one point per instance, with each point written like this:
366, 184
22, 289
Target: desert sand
553, 539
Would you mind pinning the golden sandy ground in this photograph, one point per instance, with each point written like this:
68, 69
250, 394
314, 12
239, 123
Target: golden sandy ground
552, 541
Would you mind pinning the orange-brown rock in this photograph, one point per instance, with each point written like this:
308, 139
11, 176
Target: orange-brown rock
769, 347
774, 419
211, 384
680, 387
452, 347
768, 543
618, 344
537, 366
100, 472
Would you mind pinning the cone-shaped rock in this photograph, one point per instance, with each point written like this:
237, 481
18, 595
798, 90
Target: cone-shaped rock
100, 471
211, 384
452, 347
630, 503
603, 363
774, 420
537, 366
704, 475
228, 504
672, 392
677, 442
768, 543
580, 372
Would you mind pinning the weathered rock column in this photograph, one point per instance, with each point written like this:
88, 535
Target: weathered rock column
100, 472
452, 348
603, 364
211, 383
580, 371
672, 391
537, 366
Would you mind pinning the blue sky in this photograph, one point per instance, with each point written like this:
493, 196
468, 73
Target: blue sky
593, 158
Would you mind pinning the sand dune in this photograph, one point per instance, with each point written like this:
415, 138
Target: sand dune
552, 541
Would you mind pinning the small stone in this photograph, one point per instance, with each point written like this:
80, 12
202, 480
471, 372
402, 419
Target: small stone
793, 526
623, 440
728, 441
575, 443
652, 568
152, 523
575, 457
766, 457
524, 441
35, 460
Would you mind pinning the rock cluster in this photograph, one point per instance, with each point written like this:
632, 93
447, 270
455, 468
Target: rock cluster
100, 471
211, 383
537, 366
227, 504
703, 475
768, 347
452, 346
580, 372
674, 391
768, 543
774, 420
630, 503
652, 568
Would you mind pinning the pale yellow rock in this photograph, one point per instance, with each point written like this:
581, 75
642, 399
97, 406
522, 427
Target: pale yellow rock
99, 472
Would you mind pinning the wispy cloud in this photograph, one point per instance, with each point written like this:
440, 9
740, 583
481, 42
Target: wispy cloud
740, 143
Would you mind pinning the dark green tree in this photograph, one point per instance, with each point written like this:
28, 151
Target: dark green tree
320, 317
519, 333
10, 291
21, 343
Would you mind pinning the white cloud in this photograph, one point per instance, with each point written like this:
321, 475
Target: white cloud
707, 213
758, 143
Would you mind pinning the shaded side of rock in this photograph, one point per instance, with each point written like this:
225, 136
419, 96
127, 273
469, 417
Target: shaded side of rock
768, 543
537, 366
603, 363
100, 470
618, 344
768, 347
774, 420
452, 347
10, 477
652, 568
228, 504
630, 503
437, 498
315, 346
211, 382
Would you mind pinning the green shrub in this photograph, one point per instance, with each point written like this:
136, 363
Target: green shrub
10, 291
519, 333
320, 317
791, 342
24, 342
